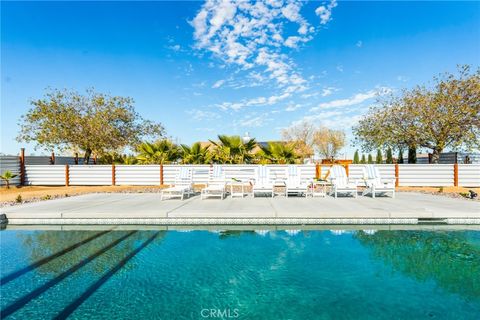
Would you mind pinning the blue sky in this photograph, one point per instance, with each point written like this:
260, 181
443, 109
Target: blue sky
202, 68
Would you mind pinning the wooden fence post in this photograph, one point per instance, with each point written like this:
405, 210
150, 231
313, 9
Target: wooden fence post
397, 171
347, 170
161, 174
76, 158
52, 158
318, 169
67, 175
22, 166
455, 174
113, 174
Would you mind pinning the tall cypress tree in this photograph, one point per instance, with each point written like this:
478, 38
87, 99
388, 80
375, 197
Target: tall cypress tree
379, 158
363, 161
400, 156
356, 158
370, 159
389, 156
412, 154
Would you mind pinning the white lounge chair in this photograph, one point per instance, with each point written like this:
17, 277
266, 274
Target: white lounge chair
216, 185
294, 182
340, 182
182, 186
262, 183
375, 183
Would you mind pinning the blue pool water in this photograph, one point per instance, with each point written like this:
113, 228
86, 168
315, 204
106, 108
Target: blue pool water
240, 275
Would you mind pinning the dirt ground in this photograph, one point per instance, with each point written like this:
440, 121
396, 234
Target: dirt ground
28, 193
34, 193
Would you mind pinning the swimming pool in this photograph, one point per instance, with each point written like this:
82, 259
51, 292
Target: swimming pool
133, 274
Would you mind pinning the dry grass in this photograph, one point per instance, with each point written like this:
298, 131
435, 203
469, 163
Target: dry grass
36, 192
454, 192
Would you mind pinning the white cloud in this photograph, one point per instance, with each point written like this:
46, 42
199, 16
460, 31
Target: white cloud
402, 78
198, 115
339, 68
328, 91
254, 121
359, 43
292, 107
218, 84
324, 12
354, 100
259, 101
251, 35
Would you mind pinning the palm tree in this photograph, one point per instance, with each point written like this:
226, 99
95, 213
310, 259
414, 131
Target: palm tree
278, 152
196, 154
158, 152
7, 176
232, 149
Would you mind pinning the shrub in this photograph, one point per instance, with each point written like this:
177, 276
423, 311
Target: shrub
19, 199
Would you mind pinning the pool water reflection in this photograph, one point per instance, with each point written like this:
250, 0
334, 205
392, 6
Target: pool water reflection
240, 274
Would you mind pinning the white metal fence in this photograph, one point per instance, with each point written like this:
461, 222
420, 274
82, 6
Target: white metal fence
408, 174
469, 175
45, 175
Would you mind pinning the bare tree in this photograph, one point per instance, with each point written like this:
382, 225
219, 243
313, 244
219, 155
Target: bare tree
328, 142
301, 135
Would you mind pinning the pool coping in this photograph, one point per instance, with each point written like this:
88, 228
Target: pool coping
240, 221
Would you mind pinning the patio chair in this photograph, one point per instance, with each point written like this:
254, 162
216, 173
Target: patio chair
182, 186
340, 182
375, 184
262, 182
294, 182
216, 185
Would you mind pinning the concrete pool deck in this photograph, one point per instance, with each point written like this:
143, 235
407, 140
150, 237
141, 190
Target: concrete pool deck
147, 209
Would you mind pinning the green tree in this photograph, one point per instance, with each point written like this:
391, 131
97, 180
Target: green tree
430, 256
363, 161
356, 158
379, 157
116, 158
447, 115
389, 159
370, 159
93, 122
7, 176
279, 152
159, 152
196, 154
232, 149
400, 156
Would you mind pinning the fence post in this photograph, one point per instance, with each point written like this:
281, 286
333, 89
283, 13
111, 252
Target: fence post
347, 170
76, 158
22, 166
67, 175
397, 176
161, 174
455, 174
52, 158
113, 174
317, 171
